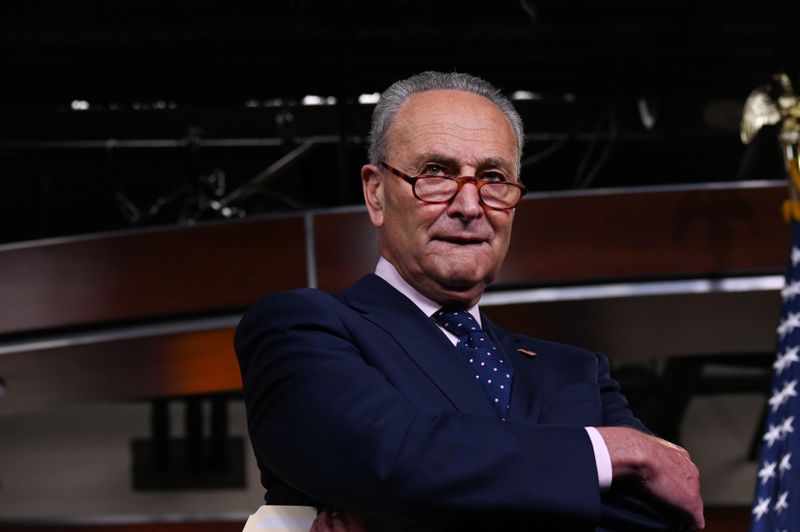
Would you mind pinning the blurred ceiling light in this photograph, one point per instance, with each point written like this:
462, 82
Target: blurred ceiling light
312, 99
366, 99
318, 100
525, 95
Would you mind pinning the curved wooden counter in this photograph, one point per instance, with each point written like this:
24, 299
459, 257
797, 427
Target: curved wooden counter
150, 313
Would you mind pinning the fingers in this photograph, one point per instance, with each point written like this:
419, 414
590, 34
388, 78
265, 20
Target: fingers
681, 478
664, 470
339, 521
321, 524
329, 520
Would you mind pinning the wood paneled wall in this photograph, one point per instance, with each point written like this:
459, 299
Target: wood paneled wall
120, 316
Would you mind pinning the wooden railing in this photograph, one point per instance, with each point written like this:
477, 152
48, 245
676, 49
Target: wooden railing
151, 313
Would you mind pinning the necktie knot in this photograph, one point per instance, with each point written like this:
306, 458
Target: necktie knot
458, 323
488, 364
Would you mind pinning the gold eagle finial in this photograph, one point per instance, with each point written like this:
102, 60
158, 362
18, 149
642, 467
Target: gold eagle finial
773, 104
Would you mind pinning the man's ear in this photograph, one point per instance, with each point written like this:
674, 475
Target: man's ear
372, 184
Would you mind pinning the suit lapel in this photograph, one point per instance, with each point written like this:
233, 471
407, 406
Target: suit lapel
525, 390
421, 340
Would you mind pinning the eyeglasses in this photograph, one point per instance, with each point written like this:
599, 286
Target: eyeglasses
498, 195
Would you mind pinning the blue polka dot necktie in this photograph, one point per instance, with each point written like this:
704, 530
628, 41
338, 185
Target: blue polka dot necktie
488, 364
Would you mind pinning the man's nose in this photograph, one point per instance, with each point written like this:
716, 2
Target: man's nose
467, 202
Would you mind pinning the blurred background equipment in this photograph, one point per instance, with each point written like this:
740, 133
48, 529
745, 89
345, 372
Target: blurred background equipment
147, 113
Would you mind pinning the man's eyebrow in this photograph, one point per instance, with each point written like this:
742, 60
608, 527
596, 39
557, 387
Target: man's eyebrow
497, 162
437, 158
489, 162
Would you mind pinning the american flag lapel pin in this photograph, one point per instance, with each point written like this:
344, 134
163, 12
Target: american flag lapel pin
529, 354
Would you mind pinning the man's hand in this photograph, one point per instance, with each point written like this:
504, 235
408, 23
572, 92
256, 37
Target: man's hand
329, 520
663, 469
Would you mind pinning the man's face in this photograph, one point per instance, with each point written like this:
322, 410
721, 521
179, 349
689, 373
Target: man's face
450, 251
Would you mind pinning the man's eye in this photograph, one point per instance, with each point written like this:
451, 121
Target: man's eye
434, 169
493, 176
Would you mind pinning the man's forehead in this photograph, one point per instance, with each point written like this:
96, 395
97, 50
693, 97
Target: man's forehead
449, 119
437, 98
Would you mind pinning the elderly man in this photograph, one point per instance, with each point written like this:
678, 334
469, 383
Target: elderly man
399, 402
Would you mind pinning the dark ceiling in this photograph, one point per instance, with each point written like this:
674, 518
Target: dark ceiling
131, 113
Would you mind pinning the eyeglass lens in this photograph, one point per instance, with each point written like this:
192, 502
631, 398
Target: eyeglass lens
440, 190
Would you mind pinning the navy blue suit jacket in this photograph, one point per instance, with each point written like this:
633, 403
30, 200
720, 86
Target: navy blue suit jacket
359, 401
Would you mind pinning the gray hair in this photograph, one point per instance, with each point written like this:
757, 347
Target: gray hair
395, 96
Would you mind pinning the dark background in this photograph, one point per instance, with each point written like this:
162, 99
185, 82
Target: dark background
134, 113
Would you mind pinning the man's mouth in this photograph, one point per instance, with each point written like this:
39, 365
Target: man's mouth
461, 240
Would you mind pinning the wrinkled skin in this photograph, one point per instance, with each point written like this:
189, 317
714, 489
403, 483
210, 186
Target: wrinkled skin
449, 252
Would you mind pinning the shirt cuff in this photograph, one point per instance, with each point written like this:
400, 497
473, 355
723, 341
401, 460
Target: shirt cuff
601, 458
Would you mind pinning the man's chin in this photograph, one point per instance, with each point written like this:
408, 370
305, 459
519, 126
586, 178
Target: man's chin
459, 279
458, 290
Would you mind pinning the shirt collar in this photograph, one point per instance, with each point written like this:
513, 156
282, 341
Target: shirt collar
386, 271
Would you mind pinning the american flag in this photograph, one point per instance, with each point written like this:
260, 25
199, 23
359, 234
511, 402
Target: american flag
776, 506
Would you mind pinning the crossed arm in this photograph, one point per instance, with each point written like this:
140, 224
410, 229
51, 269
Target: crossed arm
332, 425
661, 468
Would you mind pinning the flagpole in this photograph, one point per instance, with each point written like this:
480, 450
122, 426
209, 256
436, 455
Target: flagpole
776, 504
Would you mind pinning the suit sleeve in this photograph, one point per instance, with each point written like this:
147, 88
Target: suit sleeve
621, 509
616, 412
333, 427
